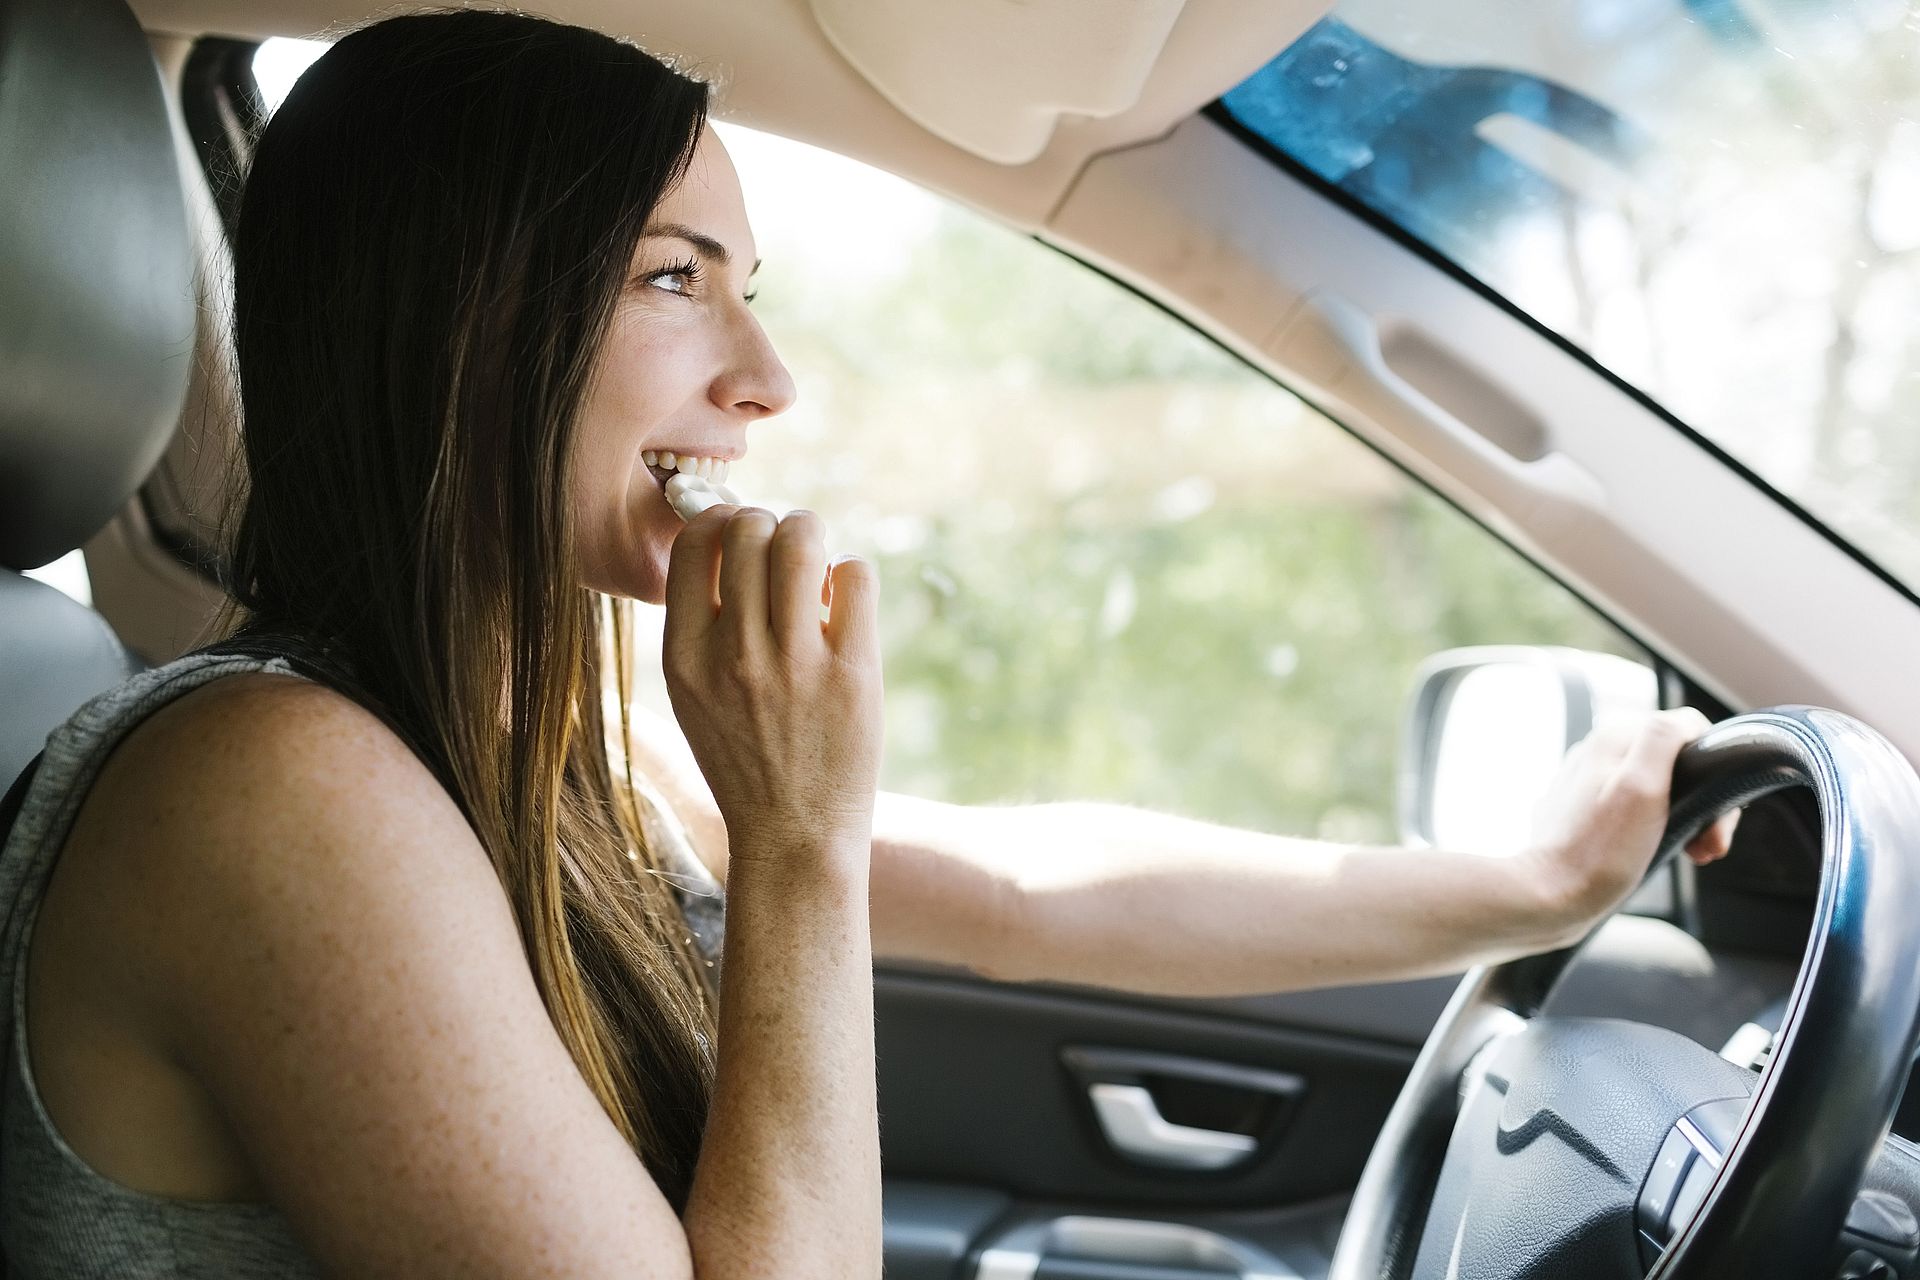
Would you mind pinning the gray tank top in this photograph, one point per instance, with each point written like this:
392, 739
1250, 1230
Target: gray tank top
60, 1219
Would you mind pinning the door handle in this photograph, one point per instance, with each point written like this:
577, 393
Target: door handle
1252, 1102
1132, 1122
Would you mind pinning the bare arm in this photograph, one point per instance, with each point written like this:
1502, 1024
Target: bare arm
1107, 895
783, 718
1110, 896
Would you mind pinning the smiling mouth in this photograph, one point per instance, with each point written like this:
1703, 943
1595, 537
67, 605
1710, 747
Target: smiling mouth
663, 465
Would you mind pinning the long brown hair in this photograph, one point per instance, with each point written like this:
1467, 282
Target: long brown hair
434, 231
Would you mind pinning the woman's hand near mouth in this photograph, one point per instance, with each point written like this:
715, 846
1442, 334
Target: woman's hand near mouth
781, 710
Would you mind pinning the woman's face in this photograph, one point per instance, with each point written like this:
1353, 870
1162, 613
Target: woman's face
686, 369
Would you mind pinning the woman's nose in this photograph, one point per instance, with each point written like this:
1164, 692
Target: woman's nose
755, 380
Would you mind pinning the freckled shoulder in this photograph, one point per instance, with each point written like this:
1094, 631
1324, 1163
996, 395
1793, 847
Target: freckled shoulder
251, 778
302, 916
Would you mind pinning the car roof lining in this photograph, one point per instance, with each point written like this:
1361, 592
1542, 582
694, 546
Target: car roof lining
776, 67
1045, 62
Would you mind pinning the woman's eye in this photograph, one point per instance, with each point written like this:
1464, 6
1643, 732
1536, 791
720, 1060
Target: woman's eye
676, 279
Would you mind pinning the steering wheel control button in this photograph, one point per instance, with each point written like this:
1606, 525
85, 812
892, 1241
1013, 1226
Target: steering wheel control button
1693, 1194
1684, 1170
1681, 1161
1656, 1197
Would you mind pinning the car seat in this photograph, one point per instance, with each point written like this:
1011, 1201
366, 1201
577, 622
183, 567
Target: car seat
97, 315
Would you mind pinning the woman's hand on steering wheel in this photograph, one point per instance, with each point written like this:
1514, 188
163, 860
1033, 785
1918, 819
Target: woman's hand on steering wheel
1597, 828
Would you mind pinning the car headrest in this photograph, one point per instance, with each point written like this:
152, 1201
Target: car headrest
96, 272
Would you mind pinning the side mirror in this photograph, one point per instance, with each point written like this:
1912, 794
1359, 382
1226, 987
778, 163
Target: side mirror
1486, 730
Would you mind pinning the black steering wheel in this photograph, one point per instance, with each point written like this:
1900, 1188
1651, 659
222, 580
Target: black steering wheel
1526, 1146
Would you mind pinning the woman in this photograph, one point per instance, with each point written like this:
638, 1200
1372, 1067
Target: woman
366, 952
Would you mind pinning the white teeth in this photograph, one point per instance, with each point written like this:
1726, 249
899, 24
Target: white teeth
688, 464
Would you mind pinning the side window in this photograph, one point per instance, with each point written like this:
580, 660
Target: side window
1116, 563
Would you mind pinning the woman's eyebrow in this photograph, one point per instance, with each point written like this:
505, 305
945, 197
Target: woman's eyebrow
706, 244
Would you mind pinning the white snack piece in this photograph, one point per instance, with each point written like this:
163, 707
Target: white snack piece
689, 495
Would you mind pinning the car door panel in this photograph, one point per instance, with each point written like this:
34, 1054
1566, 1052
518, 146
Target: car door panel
991, 1140
976, 1087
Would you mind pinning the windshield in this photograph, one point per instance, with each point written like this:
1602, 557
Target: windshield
1718, 199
